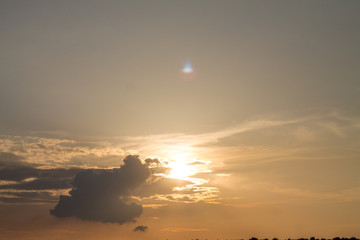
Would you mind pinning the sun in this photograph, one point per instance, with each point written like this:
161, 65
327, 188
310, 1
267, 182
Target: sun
181, 167
181, 170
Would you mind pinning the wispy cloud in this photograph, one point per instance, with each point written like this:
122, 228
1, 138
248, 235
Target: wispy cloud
179, 229
285, 140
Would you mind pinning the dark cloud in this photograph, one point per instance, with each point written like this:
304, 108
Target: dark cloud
40, 184
141, 228
21, 173
30, 178
17, 173
9, 159
24, 176
57, 173
13, 168
152, 161
157, 167
104, 195
27, 197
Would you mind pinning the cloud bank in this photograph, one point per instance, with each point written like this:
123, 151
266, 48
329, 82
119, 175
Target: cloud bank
24, 176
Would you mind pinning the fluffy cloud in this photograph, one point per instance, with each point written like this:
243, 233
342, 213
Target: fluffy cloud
105, 195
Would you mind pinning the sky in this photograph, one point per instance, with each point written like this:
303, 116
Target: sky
179, 119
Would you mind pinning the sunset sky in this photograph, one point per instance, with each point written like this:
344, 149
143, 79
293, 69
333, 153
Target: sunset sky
179, 119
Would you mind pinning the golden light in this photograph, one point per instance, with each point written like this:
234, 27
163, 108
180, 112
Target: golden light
180, 170
181, 160
183, 167
182, 163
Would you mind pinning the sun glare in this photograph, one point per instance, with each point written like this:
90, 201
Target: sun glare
181, 168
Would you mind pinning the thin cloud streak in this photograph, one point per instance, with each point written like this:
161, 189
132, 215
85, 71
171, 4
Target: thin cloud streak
178, 229
168, 145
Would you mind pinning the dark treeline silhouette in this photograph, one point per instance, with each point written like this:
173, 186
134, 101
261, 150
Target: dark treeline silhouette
312, 238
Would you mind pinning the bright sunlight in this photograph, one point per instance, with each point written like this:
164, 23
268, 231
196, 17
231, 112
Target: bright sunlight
184, 166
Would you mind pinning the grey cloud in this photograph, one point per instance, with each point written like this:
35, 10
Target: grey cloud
105, 191
103, 195
58, 172
17, 173
42, 178
9, 159
40, 184
157, 166
152, 161
12, 168
29, 177
141, 228
27, 197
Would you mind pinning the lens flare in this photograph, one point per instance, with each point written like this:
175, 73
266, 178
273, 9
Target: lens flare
187, 69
